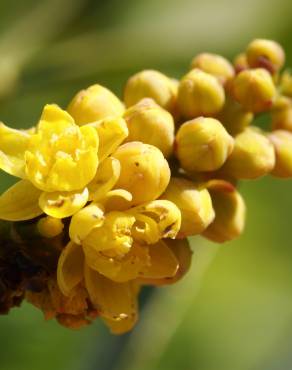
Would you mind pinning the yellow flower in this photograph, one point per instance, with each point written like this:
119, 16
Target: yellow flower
58, 164
109, 251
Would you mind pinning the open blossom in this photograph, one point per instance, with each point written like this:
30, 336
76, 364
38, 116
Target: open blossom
108, 195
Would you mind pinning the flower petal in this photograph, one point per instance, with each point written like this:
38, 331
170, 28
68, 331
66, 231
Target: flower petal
163, 264
114, 301
13, 144
112, 132
70, 268
117, 200
106, 177
63, 204
20, 202
53, 113
84, 221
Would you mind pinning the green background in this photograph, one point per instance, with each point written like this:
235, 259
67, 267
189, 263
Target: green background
234, 309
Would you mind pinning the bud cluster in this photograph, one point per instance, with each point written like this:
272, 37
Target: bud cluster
117, 186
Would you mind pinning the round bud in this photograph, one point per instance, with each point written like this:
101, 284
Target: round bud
282, 142
253, 155
266, 54
93, 104
285, 85
49, 227
282, 119
230, 212
202, 144
144, 171
151, 124
195, 205
240, 63
233, 117
215, 65
200, 94
151, 84
254, 89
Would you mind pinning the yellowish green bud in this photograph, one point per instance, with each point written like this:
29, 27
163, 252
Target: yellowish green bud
215, 65
202, 144
49, 227
282, 141
230, 212
266, 54
200, 94
286, 84
194, 203
254, 89
151, 84
282, 119
233, 117
144, 171
240, 62
253, 155
151, 124
94, 104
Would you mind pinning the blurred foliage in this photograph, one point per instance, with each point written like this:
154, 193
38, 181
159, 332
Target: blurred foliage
234, 310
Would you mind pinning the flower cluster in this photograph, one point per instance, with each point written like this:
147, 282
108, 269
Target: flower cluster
118, 186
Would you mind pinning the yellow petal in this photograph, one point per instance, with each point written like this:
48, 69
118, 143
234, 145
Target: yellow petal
117, 200
70, 268
112, 132
20, 202
84, 221
13, 144
129, 267
163, 264
183, 254
106, 177
63, 204
121, 326
166, 215
114, 234
114, 301
145, 229
53, 113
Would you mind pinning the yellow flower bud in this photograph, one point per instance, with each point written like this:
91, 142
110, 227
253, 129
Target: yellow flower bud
194, 203
240, 62
203, 144
93, 104
282, 119
50, 227
200, 94
215, 65
149, 123
286, 84
254, 90
253, 155
229, 210
233, 117
144, 171
266, 54
282, 141
151, 84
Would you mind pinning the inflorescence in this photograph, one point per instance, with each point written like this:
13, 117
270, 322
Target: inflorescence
109, 191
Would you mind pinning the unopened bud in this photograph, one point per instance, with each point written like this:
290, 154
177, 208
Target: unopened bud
240, 63
49, 227
285, 84
194, 203
282, 141
254, 89
230, 212
144, 171
202, 144
282, 119
94, 104
151, 124
233, 117
266, 54
151, 84
200, 94
253, 155
215, 65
